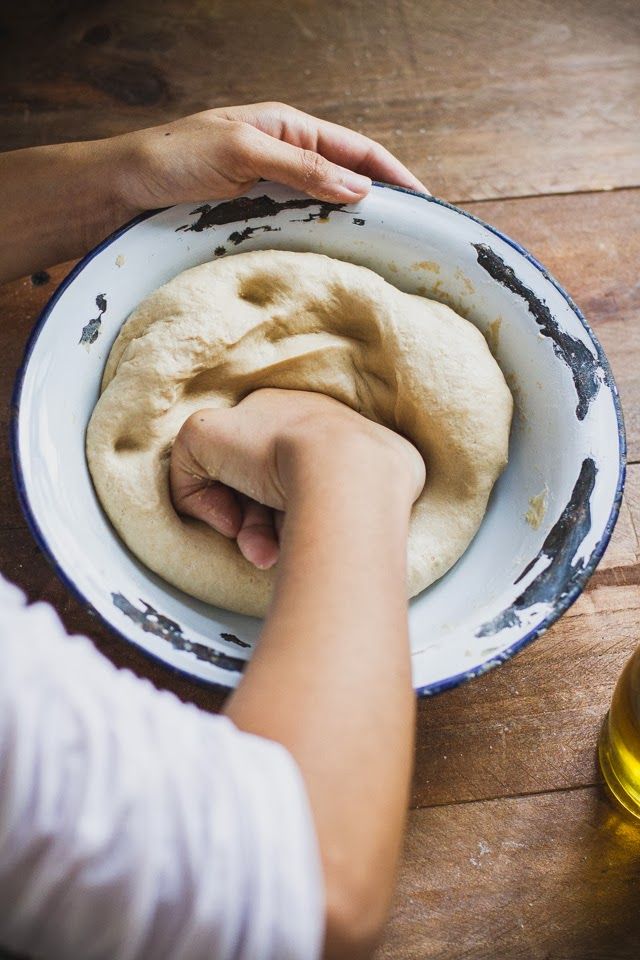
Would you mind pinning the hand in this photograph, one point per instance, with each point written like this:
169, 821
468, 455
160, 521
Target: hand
237, 469
221, 153
58, 201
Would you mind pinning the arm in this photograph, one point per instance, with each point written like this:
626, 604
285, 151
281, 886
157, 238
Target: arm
58, 201
336, 641
331, 677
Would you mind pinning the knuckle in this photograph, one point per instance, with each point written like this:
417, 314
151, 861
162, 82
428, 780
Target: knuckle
314, 167
193, 427
240, 136
186, 434
276, 106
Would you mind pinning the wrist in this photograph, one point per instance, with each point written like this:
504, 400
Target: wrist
332, 464
122, 168
94, 170
58, 202
347, 511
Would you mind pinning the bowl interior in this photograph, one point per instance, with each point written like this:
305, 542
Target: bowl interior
550, 514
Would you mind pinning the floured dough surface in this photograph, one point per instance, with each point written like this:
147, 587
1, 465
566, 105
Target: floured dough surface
300, 321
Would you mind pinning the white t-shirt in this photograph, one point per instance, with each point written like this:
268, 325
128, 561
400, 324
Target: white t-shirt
136, 827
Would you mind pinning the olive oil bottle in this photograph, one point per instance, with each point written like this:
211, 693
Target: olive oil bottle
619, 747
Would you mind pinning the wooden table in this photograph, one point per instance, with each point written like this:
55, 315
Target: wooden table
526, 114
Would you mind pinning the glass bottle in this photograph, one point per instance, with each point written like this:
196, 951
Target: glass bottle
619, 747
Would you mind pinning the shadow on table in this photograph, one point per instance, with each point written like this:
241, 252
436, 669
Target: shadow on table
610, 886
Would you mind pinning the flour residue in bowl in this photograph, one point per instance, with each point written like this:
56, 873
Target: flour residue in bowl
537, 509
492, 335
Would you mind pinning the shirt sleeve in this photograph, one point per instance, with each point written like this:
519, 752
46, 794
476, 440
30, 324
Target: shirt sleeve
133, 826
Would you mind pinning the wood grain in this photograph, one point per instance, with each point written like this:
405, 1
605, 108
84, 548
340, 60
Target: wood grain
480, 99
551, 877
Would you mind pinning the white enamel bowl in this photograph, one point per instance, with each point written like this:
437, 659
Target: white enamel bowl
528, 562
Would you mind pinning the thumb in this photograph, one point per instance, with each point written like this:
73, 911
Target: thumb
302, 169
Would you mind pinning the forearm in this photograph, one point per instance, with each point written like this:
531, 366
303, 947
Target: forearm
331, 677
57, 202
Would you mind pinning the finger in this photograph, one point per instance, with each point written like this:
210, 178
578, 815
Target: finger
257, 538
338, 144
214, 503
364, 155
260, 155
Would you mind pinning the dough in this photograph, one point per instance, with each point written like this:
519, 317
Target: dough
298, 321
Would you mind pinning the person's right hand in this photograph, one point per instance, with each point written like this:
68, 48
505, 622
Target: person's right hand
238, 468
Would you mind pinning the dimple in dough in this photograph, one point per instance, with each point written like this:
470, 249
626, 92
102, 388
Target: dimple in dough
299, 321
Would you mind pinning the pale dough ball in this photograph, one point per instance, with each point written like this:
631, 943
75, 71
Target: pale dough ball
300, 321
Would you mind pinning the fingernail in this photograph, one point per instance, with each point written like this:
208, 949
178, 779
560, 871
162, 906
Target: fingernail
355, 182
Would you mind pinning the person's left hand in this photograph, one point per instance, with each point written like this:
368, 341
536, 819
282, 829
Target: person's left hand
221, 153
85, 190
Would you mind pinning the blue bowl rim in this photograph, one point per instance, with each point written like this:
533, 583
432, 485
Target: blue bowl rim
429, 689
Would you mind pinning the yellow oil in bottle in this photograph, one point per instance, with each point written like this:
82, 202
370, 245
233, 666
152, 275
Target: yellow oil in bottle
619, 747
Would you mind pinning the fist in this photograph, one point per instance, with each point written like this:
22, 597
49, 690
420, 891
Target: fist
239, 468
